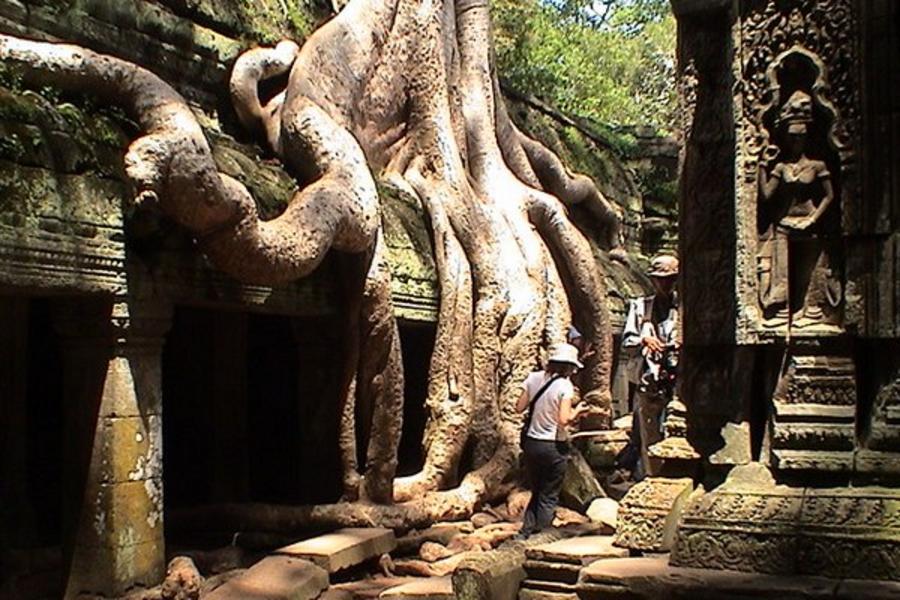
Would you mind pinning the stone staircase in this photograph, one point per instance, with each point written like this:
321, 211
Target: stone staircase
553, 570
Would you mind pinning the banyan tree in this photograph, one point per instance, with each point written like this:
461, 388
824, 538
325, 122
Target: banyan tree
404, 93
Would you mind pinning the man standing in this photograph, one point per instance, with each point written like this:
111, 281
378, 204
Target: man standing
651, 328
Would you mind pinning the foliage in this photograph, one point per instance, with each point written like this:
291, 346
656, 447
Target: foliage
611, 61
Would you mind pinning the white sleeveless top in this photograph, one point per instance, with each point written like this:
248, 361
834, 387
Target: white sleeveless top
546, 412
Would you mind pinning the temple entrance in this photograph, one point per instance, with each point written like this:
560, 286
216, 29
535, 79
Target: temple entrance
417, 341
250, 409
43, 439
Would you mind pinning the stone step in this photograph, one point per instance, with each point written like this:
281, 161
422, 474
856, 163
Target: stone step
431, 588
552, 571
528, 594
651, 577
550, 586
343, 548
578, 550
363, 589
275, 578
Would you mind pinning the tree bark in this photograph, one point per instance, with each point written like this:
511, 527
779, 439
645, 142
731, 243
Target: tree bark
405, 92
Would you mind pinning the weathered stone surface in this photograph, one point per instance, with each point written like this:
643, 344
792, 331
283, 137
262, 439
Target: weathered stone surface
579, 486
604, 447
652, 578
542, 570
183, 581
736, 450
649, 513
441, 533
555, 587
579, 550
532, 594
343, 548
365, 589
492, 575
432, 588
496, 575
751, 524
604, 511
275, 578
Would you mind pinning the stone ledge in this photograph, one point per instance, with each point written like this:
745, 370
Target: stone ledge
652, 578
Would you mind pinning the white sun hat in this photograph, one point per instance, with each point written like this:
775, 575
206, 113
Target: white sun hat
564, 353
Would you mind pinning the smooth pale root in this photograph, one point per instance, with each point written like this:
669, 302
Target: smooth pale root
403, 92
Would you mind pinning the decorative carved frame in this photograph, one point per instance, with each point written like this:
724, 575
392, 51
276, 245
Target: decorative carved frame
767, 33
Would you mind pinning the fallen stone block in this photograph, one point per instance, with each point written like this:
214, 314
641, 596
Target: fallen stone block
275, 578
432, 588
577, 550
649, 512
580, 485
343, 548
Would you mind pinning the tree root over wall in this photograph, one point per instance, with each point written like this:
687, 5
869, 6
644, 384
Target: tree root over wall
405, 91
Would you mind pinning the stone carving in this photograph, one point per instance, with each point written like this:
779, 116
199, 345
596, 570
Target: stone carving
797, 117
649, 513
826, 29
797, 278
814, 412
762, 527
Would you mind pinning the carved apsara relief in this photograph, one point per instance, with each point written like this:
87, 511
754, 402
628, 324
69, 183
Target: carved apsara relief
798, 120
798, 176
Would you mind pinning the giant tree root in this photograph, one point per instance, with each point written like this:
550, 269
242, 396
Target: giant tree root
402, 91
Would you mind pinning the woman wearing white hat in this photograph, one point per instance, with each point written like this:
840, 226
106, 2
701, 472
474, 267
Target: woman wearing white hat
548, 395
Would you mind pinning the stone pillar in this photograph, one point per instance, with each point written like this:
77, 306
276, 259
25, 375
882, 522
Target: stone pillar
113, 423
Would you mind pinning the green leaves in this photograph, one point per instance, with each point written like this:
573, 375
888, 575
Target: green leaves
611, 61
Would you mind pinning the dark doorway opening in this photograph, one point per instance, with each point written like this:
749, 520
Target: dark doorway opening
250, 409
34, 455
417, 343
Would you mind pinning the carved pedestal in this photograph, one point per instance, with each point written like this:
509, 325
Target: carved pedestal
814, 412
649, 513
112, 375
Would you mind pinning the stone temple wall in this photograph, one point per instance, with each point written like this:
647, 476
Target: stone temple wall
788, 225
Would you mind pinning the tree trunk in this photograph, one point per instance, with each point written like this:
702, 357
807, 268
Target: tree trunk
404, 92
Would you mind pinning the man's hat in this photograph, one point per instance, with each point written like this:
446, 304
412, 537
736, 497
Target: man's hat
564, 353
663, 266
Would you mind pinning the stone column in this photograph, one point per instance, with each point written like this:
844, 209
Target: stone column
113, 482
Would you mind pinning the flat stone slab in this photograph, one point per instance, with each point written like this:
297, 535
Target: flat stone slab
529, 594
364, 589
578, 550
343, 548
431, 588
550, 586
552, 571
651, 577
275, 578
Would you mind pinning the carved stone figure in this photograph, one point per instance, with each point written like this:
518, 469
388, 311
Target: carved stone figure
796, 280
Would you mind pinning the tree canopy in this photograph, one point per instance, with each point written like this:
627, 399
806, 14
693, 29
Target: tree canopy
611, 61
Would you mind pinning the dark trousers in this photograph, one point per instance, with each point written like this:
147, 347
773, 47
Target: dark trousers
545, 464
